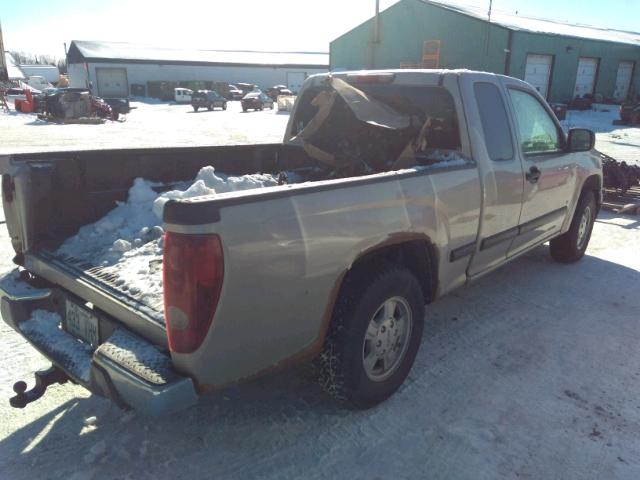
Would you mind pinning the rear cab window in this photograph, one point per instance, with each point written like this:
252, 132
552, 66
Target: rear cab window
422, 127
495, 122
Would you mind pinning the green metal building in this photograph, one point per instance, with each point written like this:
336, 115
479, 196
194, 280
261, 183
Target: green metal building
563, 61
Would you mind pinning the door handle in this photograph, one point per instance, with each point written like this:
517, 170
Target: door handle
533, 175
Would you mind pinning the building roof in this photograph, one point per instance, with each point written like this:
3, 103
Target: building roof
13, 69
121, 52
538, 25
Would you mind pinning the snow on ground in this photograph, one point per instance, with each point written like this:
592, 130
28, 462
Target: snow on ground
621, 142
531, 372
151, 124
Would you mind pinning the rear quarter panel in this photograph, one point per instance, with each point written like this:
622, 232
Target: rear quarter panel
285, 258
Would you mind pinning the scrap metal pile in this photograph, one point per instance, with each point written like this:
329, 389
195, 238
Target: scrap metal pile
619, 176
68, 106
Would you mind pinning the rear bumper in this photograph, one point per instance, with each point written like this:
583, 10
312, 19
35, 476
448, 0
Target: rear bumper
124, 368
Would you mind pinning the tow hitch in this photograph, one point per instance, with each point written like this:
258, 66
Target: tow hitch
44, 378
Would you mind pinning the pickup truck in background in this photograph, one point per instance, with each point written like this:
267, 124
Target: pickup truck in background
395, 187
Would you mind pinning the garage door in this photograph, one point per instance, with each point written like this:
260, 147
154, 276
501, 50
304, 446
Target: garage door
586, 77
623, 81
112, 82
538, 72
295, 81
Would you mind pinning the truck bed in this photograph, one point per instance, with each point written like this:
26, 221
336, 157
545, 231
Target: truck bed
61, 192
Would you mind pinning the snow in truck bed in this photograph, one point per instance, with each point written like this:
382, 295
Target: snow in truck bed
127, 242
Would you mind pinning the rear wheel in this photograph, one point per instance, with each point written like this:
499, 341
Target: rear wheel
224, 106
195, 109
374, 335
570, 246
210, 107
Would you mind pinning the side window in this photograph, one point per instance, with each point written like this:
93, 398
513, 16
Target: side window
495, 123
538, 132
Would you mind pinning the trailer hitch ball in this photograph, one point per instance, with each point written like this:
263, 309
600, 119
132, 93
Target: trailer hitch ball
44, 378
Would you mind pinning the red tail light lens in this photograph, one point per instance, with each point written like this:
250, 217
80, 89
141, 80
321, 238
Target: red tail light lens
193, 270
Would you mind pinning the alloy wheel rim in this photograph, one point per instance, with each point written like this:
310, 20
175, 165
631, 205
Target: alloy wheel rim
387, 338
583, 228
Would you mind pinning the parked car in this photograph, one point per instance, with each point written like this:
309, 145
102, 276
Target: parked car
410, 184
630, 113
247, 87
256, 101
235, 93
276, 90
208, 99
182, 95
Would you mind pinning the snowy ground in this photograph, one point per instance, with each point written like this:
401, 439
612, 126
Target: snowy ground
149, 125
532, 372
618, 141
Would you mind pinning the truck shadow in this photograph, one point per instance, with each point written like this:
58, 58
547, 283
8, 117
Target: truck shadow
494, 328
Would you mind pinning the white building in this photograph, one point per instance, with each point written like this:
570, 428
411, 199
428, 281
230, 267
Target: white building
110, 68
49, 72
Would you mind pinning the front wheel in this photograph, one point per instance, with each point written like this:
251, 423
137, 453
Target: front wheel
224, 106
195, 109
570, 247
374, 335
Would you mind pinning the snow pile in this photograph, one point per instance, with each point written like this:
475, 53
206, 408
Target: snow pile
439, 158
127, 242
13, 285
43, 329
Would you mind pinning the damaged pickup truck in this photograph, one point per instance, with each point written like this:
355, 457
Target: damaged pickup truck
152, 276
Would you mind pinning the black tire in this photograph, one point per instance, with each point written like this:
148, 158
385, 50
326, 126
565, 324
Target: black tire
341, 367
224, 106
570, 246
210, 107
195, 109
244, 109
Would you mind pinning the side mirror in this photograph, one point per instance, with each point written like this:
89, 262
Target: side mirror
580, 140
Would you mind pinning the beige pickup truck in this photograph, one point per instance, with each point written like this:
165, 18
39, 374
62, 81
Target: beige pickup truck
392, 189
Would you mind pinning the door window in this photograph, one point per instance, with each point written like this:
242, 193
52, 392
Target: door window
495, 124
538, 132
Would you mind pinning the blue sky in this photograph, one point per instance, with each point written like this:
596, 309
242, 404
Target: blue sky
40, 26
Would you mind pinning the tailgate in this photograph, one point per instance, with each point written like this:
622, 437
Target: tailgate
107, 293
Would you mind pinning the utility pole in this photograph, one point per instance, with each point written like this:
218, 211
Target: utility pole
488, 36
376, 37
376, 26
4, 74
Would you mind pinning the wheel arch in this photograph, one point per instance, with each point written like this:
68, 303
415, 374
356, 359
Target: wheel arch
418, 255
593, 183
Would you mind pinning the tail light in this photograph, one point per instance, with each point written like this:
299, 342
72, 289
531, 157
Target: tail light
193, 270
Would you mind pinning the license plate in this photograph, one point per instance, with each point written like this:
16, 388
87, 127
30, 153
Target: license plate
82, 323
